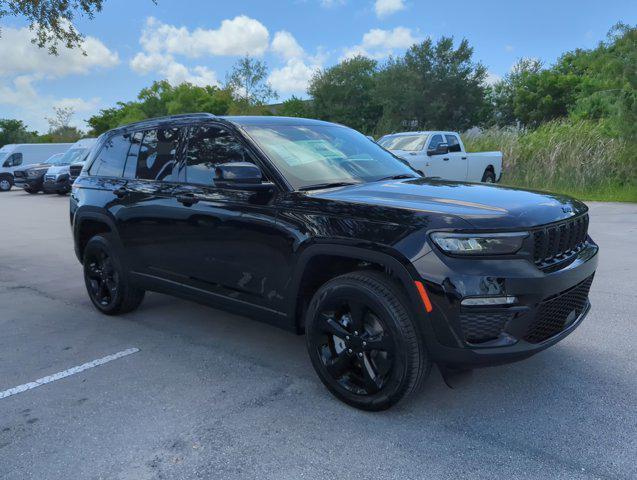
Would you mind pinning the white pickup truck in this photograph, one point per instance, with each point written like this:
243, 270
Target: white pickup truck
442, 155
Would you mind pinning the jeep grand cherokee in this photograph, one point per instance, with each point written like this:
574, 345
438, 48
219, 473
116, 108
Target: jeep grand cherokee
311, 226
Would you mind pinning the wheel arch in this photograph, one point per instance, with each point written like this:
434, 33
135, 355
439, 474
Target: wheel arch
86, 225
320, 263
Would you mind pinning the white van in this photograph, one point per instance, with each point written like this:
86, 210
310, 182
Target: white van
57, 178
20, 155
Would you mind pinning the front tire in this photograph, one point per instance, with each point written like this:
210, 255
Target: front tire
363, 342
107, 281
6, 182
32, 191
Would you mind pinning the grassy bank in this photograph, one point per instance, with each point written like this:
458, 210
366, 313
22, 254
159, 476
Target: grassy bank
578, 158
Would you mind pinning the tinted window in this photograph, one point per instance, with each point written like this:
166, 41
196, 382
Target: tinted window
454, 144
157, 155
435, 141
131, 159
112, 157
16, 159
209, 146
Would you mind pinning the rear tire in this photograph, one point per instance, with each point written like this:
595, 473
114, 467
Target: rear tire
107, 281
488, 177
363, 342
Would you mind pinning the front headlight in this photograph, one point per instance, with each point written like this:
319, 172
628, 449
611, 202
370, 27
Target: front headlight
479, 244
35, 173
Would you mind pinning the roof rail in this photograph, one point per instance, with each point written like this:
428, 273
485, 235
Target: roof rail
171, 117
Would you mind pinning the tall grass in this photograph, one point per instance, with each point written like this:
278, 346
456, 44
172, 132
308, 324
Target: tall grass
578, 158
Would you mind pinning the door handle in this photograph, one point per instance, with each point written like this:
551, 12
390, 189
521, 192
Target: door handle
120, 192
463, 158
446, 159
187, 199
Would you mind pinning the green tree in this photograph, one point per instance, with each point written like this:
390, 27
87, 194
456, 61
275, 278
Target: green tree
160, 99
344, 94
15, 131
248, 81
295, 107
432, 86
52, 20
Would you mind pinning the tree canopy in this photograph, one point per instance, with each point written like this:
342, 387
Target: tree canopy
52, 20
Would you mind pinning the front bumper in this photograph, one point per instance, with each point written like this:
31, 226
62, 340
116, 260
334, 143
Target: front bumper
31, 183
549, 306
59, 185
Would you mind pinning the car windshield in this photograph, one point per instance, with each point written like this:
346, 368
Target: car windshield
55, 159
72, 156
319, 155
408, 143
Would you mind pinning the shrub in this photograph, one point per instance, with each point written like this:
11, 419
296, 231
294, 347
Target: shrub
577, 157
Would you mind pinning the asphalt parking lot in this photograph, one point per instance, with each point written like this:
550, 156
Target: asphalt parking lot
212, 395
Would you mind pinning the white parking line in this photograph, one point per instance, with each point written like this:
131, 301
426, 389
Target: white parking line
66, 373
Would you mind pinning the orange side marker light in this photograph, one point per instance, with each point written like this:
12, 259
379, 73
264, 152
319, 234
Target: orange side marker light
423, 296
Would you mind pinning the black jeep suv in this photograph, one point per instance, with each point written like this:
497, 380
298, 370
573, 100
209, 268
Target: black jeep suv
313, 227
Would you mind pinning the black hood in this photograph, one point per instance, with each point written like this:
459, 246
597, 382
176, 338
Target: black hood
36, 166
483, 206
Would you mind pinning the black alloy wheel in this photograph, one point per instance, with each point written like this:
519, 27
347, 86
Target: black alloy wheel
355, 347
362, 341
102, 279
107, 282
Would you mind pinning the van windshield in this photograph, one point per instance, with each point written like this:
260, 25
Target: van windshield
73, 155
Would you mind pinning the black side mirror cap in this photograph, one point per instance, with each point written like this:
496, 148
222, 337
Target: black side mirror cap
241, 176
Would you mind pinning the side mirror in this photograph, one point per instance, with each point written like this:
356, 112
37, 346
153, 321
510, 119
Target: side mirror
441, 149
240, 176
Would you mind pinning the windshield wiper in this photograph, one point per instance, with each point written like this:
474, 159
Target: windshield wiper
397, 177
327, 185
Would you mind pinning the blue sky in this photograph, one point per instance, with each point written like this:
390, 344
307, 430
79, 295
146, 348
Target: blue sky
131, 43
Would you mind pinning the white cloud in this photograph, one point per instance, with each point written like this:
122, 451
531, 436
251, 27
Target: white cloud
285, 44
241, 35
492, 78
509, 48
378, 43
387, 7
332, 3
294, 77
162, 42
19, 56
20, 96
172, 70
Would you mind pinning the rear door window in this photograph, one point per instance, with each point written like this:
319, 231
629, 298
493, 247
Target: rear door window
131, 159
157, 158
112, 157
